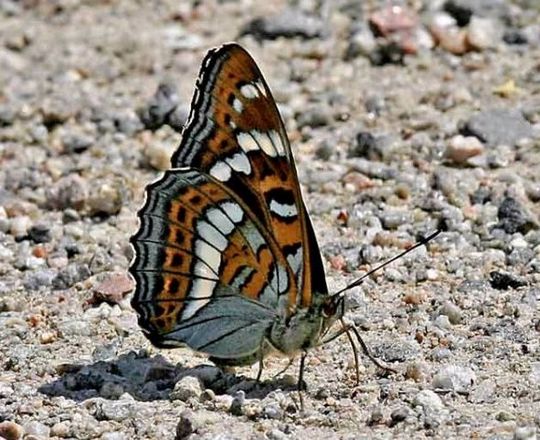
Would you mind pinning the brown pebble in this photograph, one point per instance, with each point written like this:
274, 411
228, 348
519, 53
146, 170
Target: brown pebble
11, 431
112, 289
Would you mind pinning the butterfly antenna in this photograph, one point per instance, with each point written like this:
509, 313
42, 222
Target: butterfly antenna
421, 242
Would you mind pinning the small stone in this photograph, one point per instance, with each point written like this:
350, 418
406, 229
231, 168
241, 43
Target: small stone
177, 118
429, 401
186, 388
318, 116
11, 431
393, 19
513, 217
61, 429
68, 192
185, 426
376, 416
272, 411
454, 378
8, 115
112, 289
499, 127
237, 403
70, 275
392, 219
159, 154
37, 429
452, 311
503, 280
105, 199
398, 415
525, 433
483, 33
289, 23
155, 114
19, 226
361, 42
40, 233
76, 142
443, 322
461, 148
484, 392
113, 436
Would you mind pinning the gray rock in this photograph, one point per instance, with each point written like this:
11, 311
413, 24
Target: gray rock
8, 114
289, 23
185, 426
68, 192
484, 392
428, 401
186, 388
525, 433
40, 233
272, 411
238, 402
114, 436
38, 278
317, 116
499, 127
513, 217
70, 275
155, 114
454, 378
36, 428
452, 311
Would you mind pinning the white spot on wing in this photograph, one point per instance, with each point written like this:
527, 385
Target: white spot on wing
239, 162
264, 142
246, 142
233, 211
212, 236
220, 220
211, 260
282, 279
249, 91
221, 171
283, 209
278, 143
260, 86
201, 288
237, 105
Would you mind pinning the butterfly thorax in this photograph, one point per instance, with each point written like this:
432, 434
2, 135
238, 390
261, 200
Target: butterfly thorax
304, 329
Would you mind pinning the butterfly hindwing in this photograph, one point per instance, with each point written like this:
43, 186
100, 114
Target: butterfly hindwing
197, 243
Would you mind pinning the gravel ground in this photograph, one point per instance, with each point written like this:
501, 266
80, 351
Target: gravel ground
401, 119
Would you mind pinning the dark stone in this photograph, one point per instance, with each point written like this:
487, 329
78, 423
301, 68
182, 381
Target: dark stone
289, 23
76, 142
504, 281
71, 275
40, 233
515, 36
155, 114
512, 217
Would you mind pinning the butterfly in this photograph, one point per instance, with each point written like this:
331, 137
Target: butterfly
225, 258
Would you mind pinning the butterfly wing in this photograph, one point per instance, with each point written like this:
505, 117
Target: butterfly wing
235, 134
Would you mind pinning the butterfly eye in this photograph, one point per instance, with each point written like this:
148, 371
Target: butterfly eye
329, 308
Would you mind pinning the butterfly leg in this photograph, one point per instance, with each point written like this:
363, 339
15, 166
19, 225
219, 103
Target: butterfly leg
300, 384
280, 372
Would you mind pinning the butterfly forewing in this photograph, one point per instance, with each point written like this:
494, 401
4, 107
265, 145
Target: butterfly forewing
235, 134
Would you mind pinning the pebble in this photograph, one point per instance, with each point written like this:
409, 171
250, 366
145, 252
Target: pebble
68, 192
289, 23
70, 275
272, 411
19, 226
114, 436
156, 112
452, 311
483, 33
236, 408
318, 116
525, 433
75, 143
454, 378
185, 426
513, 217
112, 289
11, 430
399, 415
484, 392
499, 127
461, 148
37, 429
428, 401
187, 388
40, 233
105, 199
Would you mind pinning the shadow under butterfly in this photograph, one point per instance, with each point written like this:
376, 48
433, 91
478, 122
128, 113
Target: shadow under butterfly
226, 260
